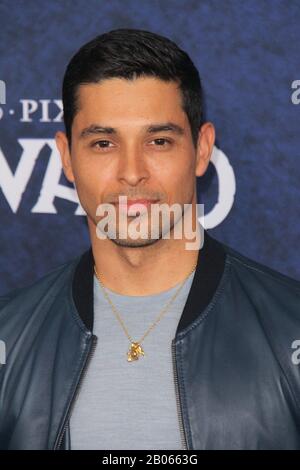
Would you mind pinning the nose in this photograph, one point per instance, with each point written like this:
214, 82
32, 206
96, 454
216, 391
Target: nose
132, 168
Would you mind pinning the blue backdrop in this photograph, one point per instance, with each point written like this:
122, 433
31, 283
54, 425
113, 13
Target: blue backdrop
247, 53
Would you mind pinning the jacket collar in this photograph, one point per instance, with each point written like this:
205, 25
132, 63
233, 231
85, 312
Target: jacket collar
209, 270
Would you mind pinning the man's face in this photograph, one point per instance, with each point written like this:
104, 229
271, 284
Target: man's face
132, 138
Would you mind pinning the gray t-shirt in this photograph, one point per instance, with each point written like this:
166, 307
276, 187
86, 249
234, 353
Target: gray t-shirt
130, 405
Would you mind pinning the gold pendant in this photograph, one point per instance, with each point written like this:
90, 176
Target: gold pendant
135, 351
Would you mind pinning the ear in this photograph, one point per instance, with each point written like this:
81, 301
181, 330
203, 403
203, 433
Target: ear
63, 148
206, 140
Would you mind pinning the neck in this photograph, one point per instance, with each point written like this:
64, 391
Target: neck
144, 270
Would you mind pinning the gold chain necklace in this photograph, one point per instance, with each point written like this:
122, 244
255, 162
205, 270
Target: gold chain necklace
136, 349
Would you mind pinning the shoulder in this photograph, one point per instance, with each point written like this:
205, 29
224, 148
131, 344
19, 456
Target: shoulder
274, 296
49, 284
258, 275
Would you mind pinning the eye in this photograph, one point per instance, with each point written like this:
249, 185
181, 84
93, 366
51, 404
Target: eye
161, 142
103, 144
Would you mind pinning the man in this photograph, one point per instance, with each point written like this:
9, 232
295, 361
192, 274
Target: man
140, 342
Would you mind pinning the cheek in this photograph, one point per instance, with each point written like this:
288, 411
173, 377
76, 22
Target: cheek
178, 185
182, 175
88, 183
183, 181
88, 173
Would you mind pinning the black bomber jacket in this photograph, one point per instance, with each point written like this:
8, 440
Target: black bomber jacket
235, 364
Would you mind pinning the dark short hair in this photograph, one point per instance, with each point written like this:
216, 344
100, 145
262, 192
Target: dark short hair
129, 54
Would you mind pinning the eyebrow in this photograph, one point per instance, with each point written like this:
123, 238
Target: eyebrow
153, 128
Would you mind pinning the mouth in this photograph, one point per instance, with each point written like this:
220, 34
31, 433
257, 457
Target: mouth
141, 206
131, 202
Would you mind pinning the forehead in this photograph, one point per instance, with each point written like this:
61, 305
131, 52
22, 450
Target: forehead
118, 99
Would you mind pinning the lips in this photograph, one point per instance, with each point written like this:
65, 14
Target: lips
145, 202
142, 205
131, 202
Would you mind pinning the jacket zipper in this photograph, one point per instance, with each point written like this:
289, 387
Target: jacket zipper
70, 408
83, 373
181, 426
